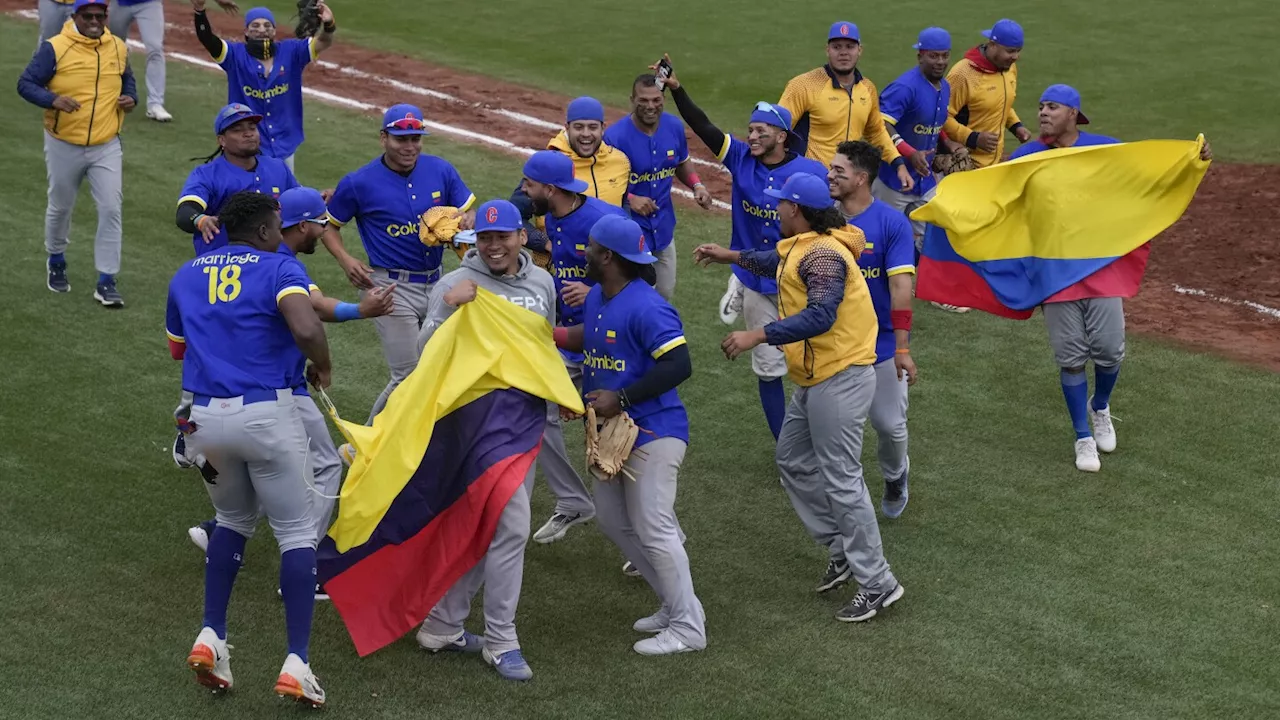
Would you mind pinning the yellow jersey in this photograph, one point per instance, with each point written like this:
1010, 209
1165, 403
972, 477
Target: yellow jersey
828, 115
982, 100
91, 72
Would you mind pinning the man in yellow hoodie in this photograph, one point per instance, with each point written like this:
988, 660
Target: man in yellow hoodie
984, 85
827, 329
82, 78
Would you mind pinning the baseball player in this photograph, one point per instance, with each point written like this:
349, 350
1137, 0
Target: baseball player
1086, 320
828, 329
82, 78
984, 85
655, 144
836, 102
53, 15
385, 198
149, 16
556, 194
264, 74
888, 265
241, 321
635, 357
760, 164
236, 166
500, 264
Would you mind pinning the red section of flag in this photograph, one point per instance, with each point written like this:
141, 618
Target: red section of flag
955, 283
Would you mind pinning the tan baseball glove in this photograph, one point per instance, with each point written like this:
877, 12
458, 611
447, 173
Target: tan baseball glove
947, 163
610, 444
437, 226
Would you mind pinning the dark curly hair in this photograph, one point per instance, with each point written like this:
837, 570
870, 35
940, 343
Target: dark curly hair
825, 220
245, 212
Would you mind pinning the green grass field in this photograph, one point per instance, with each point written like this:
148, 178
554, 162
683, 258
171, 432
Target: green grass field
1033, 591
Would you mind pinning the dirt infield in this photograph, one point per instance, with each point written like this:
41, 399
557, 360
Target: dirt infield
1214, 278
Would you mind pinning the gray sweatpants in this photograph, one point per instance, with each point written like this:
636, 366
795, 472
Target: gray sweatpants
767, 361
572, 496
500, 571
52, 17
260, 451
819, 456
665, 269
640, 518
67, 166
150, 18
889, 418
1084, 330
399, 331
326, 465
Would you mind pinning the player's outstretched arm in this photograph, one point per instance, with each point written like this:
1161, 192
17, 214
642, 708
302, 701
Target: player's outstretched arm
325, 39
711, 136
204, 30
360, 274
375, 303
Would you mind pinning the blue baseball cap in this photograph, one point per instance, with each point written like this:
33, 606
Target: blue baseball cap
403, 119
1005, 32
555, 169
498, 215
933, 39
85, 3
804, 189
232, 114
843, 31
302, 204
584, 108
259, 13
623, 236
1065, 95
771, 114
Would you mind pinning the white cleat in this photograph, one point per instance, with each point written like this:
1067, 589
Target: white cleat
158, 113
664, 643
1087, 459
199, 537
1104, 431
731, 302
951, 308
210, 658
298, 682
655, 623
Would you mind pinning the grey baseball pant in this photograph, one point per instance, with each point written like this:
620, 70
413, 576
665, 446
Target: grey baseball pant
904, 203
326, 465
665, 269
289, 161
640, 518
819, 456
68, 165
889, 418
572, 496
260, 451
759, 310
399, 331
1084, 330
150, 19
53, 16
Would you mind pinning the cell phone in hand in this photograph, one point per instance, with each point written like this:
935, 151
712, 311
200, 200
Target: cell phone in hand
663, 72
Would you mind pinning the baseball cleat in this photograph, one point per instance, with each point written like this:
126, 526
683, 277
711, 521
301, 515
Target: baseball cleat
629, 569
107, 294
201, 533
655, 623
896, 493
559, 524
298, 682
57, 281
210, 658
1104, 431
510, 664
951, 308
731, 302
462, 642
865, 605
664, 643
1087, 459
158, 113
321, 595
348, 453
837, 574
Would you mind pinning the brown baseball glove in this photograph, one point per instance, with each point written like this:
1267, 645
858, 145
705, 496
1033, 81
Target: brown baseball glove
610, 444
437, 226
947, 163
308, 19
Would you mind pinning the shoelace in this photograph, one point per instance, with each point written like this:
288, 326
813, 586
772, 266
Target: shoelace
861, 598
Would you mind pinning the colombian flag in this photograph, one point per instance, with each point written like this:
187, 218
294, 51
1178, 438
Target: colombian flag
434, 472
1061, 224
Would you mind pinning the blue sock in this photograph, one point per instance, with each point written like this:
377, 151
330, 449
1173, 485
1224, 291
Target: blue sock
1075, 388
1104, 381
774, 402
221, 563
298, 586
104, 278
57, 259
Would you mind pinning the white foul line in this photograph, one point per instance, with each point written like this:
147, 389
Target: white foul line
1257, 307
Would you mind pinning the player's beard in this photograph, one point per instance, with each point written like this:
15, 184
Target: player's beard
541, 206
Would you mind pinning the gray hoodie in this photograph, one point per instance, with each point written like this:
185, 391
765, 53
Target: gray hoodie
530, 287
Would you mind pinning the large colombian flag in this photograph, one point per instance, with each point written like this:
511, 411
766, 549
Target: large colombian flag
1055, 225
434, 472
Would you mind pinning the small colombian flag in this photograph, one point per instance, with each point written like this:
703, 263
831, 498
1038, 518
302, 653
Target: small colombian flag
435, 195
610, 336
671, 153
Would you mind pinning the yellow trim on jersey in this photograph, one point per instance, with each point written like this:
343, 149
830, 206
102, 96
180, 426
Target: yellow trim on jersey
311, 47
313, 288
900, 270
668, 347
724, 149
175, 338
222, 55
467, 205
333, 220
195, 199
888, 118
295, 290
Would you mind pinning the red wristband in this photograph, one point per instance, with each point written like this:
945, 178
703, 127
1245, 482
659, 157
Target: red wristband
901, 319
561, 336
177, 350
942, 137
693, 179
905, 149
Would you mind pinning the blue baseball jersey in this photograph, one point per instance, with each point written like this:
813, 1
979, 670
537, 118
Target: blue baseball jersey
755, 215
213, 183
276, 96
622, 339
386, 206
1085, 140
918, 110
568, 237
654, 160
224, 306
890, 250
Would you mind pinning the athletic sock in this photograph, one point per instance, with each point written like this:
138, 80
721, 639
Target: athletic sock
57, 259
104, 278
222, 562
1075, 389
774, 402
1104, 381
298, 586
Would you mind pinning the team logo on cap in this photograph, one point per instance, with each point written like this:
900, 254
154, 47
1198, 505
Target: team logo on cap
491, 214
641, 242
844, 30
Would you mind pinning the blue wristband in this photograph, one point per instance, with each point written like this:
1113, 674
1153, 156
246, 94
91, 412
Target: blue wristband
347, 311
